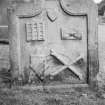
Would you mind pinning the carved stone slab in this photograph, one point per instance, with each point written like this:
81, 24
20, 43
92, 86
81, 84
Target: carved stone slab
67, 26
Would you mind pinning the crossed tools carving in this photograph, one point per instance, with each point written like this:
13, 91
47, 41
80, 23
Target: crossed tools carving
66, 64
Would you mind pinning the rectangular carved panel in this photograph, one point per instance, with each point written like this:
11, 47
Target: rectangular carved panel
70, 34
35, 30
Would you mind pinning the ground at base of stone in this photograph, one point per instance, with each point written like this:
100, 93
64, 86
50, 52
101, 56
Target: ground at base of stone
44, 96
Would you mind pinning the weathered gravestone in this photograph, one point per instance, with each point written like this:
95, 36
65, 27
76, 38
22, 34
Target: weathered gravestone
54, 39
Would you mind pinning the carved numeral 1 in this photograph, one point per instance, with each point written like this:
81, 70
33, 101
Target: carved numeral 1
29, 31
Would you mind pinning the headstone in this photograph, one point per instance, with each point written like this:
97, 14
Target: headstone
55, 39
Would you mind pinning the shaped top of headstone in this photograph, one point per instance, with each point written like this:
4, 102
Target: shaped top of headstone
27, 9
78, 7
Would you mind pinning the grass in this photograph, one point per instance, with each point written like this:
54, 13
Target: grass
72, 96
44, 96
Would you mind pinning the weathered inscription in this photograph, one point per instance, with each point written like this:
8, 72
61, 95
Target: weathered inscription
35, 31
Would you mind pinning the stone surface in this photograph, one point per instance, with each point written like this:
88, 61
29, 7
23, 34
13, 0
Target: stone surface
4, 50
72, 15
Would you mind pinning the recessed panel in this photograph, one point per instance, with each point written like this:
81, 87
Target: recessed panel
35, 31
